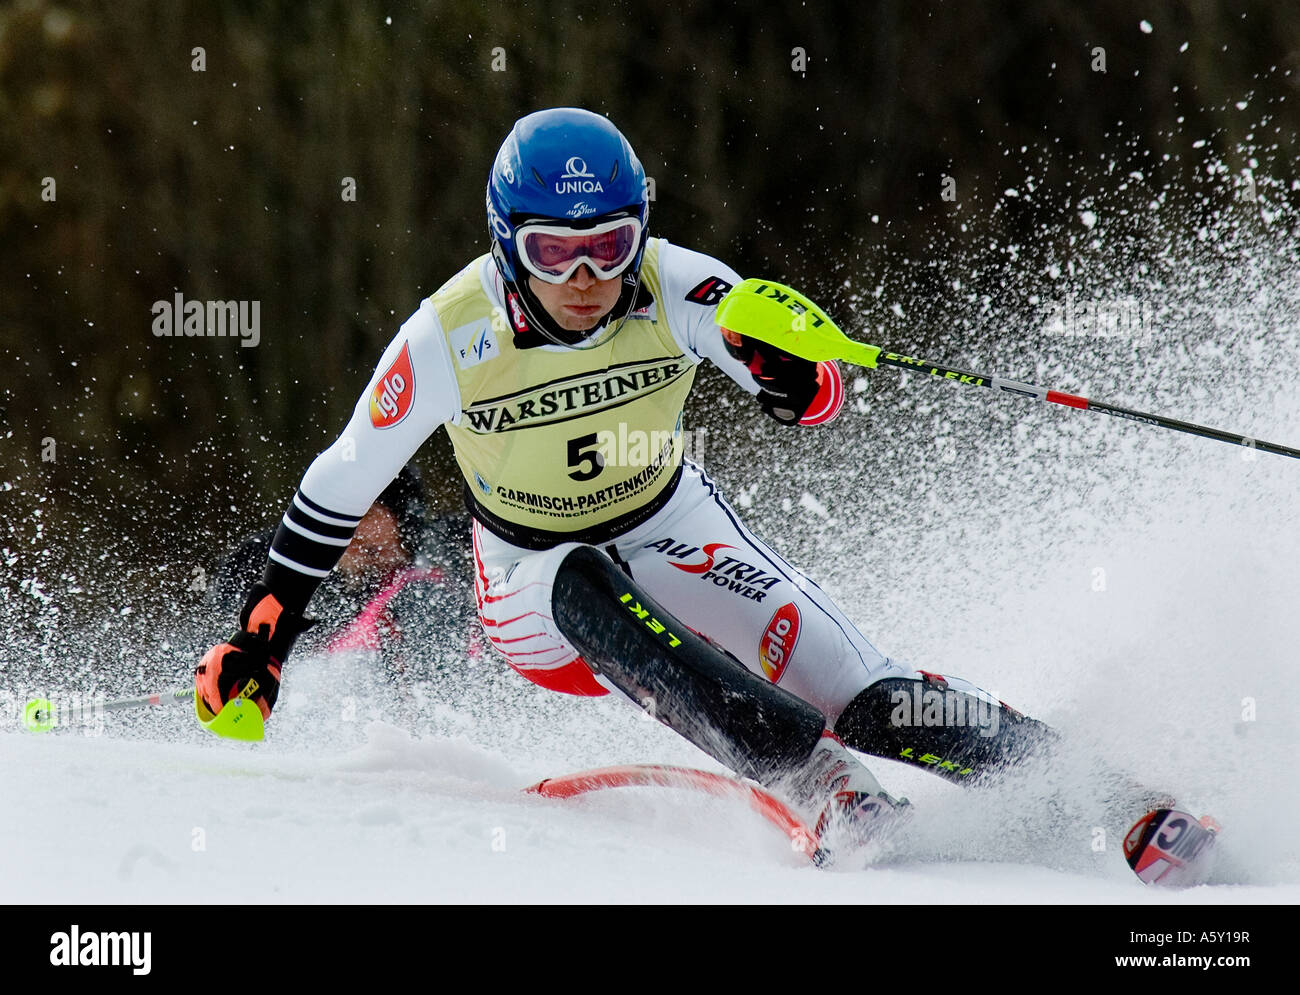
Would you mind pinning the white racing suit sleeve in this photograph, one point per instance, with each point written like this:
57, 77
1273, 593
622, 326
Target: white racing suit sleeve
412, 391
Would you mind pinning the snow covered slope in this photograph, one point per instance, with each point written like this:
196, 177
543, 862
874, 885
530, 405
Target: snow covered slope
1133, 587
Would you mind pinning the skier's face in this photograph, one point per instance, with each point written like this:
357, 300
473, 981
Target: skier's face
376, 548
580, 302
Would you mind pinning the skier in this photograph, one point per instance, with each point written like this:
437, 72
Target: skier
559, 363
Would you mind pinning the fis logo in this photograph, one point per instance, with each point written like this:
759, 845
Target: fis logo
393, 395
473, 344
779, 641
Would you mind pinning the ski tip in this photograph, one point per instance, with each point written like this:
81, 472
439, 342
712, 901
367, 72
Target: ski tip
239, 719
38, 715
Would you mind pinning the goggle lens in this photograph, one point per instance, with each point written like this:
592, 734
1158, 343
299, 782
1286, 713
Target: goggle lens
554, 253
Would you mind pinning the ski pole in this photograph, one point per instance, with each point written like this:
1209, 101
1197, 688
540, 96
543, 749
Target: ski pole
42, 714
780, 316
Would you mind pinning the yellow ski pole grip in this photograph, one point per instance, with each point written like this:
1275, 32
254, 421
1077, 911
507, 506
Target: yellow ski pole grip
781, 316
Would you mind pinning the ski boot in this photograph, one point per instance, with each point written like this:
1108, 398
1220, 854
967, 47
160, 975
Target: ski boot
854, 815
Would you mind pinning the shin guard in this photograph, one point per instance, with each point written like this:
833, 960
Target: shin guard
960, 736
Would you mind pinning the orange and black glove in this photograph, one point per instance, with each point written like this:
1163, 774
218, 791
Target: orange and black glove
253, 656
792, 390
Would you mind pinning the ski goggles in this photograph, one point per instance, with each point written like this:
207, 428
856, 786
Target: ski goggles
553, 253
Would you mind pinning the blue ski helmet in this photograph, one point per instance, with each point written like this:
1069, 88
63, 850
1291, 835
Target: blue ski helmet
564, 167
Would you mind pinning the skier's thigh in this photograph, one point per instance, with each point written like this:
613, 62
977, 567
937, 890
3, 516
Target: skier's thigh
705, 567
512, 587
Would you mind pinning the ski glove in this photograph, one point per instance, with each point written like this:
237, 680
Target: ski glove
253, 655
791, 389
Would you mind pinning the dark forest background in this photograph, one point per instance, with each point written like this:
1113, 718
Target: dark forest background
807, 142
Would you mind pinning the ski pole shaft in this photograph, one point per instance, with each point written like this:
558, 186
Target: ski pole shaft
783, 317
42, 714
1075, 401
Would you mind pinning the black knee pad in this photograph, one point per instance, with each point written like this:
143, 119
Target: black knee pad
682, 679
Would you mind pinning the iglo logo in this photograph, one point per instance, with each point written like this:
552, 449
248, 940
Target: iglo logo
394, 393
778, 643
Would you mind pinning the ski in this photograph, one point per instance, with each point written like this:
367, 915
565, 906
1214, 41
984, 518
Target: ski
802, 839
1166, 848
